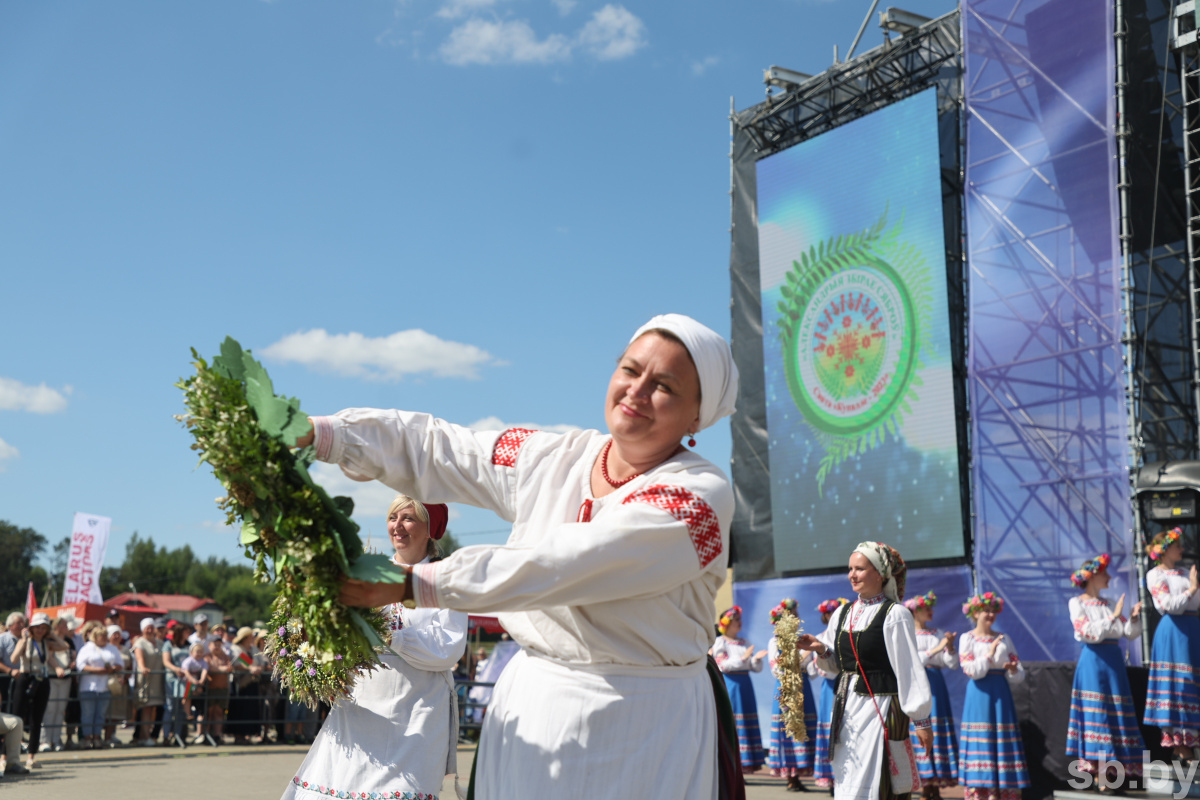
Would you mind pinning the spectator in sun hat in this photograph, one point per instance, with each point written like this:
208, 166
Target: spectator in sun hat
33, 654
245, 709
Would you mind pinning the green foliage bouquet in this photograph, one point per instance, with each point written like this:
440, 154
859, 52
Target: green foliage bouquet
299, 537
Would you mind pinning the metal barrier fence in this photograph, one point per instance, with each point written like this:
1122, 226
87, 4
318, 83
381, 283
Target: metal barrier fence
254, 708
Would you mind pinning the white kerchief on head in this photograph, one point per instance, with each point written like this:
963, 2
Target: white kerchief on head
881, 559
714, 363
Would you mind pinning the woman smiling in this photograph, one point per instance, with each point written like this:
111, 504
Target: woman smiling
618, 546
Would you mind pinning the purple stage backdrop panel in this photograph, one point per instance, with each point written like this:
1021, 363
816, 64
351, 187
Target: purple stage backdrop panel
757, 598
1046, 377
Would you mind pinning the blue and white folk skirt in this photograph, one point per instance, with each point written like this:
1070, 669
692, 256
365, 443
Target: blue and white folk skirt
789, 758
1173, 699
745, 714
823, 769
1103, 724
990, 751
939, 768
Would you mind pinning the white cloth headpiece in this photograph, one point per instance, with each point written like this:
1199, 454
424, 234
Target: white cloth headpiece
881, 559
713, 359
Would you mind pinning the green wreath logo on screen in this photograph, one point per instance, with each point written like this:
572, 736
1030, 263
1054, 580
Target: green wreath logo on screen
854, 321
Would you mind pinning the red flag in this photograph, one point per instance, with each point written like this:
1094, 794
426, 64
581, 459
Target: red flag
30, 602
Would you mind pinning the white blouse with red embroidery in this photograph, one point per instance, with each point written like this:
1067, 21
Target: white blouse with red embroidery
1169, 590
737, 655
633, 585
1094, 621
928, 639
973, 653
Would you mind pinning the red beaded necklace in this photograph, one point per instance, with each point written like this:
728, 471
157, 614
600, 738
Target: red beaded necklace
604, 469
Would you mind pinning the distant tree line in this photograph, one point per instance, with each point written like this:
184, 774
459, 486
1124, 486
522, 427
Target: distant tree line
147, 567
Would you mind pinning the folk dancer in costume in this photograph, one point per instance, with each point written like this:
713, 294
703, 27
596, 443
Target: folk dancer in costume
881, 683
396, 735
618, 546
1173, 698
736, 658
788, 758
827, 688
939, 767
992, 758
1103, 724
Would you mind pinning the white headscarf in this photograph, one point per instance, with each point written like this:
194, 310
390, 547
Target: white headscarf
713, 359
883, 558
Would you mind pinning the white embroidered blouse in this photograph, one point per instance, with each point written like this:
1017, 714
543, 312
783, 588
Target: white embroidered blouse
976, 663
1169, 590
1094, 621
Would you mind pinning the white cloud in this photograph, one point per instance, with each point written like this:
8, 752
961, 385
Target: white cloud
7, 451
371, 498
387, 358
454, 9
478, 41
612, 33
701, 67
496, 424
41, 399
565, 6
219, 527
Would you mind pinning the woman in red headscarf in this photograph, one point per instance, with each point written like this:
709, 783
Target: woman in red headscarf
397, 733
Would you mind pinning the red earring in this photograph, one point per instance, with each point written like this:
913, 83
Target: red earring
691, 440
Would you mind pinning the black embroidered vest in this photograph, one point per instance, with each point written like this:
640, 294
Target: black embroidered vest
872, 664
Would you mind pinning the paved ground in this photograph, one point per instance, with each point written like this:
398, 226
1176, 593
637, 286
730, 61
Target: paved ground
216, 772
255, 771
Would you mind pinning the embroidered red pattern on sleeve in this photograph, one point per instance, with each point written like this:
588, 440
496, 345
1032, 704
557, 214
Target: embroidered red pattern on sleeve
504, 453
702, 524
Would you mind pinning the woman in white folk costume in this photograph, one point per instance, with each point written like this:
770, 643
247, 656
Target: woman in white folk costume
737, 658
790, 759
1103, 725
608, 580
938, 767
1173, 697
396, 735
991, 755
872, 643
826, 689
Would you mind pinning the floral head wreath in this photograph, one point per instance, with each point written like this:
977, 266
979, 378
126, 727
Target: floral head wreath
786, 606
728, 617
1091, 569
830, 606
988, 601
928, 601
1169, 538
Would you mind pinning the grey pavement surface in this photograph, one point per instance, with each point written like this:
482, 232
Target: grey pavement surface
256, 771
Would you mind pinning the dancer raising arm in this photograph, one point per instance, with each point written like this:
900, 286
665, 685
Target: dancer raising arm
608, 580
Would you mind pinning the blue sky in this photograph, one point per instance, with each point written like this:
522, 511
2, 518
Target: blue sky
456, 206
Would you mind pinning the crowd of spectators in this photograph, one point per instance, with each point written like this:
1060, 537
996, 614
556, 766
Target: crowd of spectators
66, 685
72, 685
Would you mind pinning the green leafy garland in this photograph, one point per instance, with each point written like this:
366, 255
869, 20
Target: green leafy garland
299, 536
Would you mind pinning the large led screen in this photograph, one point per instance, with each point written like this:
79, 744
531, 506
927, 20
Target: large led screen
856, 340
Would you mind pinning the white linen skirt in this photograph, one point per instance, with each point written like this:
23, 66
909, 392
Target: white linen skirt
607, 731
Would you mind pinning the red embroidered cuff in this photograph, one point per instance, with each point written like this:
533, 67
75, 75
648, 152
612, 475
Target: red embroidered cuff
424, 590
922, 724
322, 437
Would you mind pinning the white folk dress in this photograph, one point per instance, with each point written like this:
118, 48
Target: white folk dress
610, 598
858, 756
396, 735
